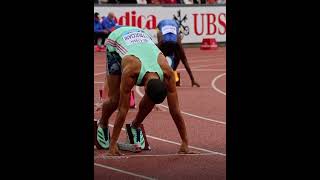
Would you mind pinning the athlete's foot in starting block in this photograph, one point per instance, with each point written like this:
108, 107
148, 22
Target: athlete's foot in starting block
103, 137
137, 136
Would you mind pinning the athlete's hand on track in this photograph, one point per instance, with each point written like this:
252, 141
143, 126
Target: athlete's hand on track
184, 149
194, 83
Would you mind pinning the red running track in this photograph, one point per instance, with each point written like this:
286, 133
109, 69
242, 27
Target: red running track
204, 111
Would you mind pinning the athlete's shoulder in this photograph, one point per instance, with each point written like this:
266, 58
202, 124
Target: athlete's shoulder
160, 22
165, 22
131, 65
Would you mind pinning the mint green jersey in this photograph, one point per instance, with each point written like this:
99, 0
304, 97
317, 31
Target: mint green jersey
135, 41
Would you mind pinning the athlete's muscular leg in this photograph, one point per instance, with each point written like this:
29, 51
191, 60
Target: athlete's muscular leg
111, 104
145, 107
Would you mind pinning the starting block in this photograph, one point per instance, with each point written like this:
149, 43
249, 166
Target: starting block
208, 44
132, 100
124, 146
130, 136
177, 77
129, 147
102, 94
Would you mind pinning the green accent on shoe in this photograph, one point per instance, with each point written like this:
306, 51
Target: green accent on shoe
103, 139
141, 139
100, 137
102, 142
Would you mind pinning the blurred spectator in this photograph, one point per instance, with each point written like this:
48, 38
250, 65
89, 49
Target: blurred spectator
109, 22
109, 1
155, 2
128, 1
99, 33
221, 1
199, 1
188, 1
142, 2
211, 1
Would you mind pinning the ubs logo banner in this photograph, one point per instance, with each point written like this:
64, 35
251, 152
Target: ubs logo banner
195, 23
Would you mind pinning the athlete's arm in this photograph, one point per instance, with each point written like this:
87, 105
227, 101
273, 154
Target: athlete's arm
159, 37
127, 83
186, 64
172, 99
174, 108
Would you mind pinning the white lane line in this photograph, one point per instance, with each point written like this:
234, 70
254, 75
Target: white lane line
201, 66
193, 115
123, 171
100, 65
96, 74
193, 147
176, 143
214, 85
203, 70
97, 82
154, 155
194, 69
213, 57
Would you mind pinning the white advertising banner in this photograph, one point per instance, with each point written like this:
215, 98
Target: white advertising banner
196, 22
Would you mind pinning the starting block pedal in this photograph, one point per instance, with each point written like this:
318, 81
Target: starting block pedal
132, 100
177, 77
130, 136
102, 94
